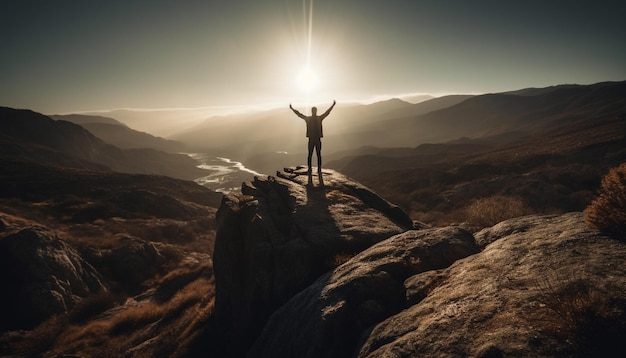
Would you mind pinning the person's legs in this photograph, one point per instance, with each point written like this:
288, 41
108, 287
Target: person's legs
308, 159
318, 151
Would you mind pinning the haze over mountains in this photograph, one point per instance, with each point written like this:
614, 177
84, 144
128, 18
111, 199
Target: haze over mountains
256, 138
272, 139
119, 134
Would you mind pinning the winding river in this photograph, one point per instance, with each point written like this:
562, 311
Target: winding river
223, 174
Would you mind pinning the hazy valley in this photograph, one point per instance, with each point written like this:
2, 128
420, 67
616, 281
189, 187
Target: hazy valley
433, 226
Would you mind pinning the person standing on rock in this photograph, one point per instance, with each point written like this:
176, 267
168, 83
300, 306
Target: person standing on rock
314, 133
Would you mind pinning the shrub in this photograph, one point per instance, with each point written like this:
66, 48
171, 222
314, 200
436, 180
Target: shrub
339, 259
607, 212
489, 211
594, 323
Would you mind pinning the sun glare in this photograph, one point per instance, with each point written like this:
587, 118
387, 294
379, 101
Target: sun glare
307, 80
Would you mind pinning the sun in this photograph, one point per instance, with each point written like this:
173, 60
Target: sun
307, 80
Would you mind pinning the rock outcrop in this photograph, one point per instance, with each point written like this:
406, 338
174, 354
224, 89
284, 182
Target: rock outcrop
281, 235
41, 275
128, 263
329, 269
329, 317
543, 286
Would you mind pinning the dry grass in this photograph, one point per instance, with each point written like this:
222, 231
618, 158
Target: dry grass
607, 212
94, 305
103, 326
583, 316
340, 259
489, 211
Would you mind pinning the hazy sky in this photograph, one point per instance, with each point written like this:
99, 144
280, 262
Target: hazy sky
64, 56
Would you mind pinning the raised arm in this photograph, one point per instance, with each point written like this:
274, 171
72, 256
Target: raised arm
296, 112
328, 110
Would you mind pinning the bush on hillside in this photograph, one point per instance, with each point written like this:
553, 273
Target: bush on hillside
489, 211
607, 212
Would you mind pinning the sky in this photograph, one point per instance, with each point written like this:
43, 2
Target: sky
75, 56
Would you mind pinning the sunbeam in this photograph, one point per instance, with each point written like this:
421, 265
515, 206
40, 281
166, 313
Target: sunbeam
307, 79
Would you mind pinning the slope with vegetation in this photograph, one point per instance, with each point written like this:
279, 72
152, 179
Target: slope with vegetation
99, 257
554, 165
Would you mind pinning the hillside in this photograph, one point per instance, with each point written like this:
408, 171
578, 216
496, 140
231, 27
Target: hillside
80, 241
113, 132
270, 139
553, 164
30, 136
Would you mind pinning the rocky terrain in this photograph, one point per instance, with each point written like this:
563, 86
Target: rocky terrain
282, 234
476, 247
44, 275
531, 286
315, 266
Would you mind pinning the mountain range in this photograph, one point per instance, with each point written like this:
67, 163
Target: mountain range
120, 135
31, 136
264, 139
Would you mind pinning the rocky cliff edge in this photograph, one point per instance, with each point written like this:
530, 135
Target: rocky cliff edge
326, 268
283, 233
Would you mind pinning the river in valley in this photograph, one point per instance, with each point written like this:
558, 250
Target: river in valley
223, 174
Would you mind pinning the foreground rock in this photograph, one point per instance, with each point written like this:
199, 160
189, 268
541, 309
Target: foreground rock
41, 275
545, 286
542, 287
281, 235
328, 318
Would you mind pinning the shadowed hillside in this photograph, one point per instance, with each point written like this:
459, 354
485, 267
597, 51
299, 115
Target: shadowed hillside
118, 134
567, 139
31, 136
90, 256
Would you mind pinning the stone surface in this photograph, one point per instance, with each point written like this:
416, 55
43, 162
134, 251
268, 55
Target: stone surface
281, 235
328, 318
40, 276
543, 286
129, 262
504, 300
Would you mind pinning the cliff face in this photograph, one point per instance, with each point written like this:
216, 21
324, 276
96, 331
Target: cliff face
281, 235
310, 270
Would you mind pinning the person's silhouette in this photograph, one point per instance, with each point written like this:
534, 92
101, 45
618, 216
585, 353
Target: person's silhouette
314, 133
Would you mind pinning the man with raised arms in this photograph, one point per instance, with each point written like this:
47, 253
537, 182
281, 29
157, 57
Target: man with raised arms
314, 133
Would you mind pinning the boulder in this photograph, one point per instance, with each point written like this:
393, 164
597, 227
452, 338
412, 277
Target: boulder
41, 276
281, 235
328, 318
544, 286
129, 262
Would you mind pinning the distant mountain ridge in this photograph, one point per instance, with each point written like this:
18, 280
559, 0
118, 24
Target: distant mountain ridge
81, 119
497, 114
120, 135
252, 138
31, 136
